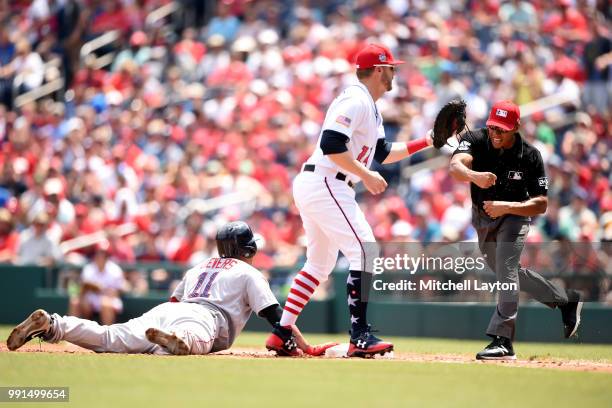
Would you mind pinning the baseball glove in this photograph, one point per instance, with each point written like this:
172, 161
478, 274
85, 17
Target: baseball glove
450, 121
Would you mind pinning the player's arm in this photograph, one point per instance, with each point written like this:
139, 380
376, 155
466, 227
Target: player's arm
338, 129
300, 340
346, 162
333, 145
461, 170
460, 167
391, 152
528, 208
533, 206
313, 350
273, 314
177, 294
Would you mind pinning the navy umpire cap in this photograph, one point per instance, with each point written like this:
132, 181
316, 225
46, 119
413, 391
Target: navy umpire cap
236, 240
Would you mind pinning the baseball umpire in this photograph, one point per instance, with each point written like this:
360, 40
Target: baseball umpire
508, 186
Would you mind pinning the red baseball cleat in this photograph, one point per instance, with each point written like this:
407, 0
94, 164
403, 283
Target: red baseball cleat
281, 341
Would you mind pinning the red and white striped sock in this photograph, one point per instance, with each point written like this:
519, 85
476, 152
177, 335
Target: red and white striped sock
302, 288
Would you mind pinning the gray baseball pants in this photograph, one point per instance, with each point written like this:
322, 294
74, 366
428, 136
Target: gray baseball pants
190, 321
501, 241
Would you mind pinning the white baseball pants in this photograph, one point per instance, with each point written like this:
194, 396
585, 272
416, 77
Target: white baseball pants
333, 222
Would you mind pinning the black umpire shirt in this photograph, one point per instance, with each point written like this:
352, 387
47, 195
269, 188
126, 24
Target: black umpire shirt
519, 170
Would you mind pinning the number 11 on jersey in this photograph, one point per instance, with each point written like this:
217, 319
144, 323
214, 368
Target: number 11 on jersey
201, 279
364, 155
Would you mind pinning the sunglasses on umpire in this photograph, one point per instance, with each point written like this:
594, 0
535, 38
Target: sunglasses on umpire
391, 67
496, 130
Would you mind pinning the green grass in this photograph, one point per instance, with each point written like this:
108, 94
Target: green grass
153, 381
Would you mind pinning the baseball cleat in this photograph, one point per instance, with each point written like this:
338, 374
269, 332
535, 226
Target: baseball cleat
281, 341
499, 349
570, 313
36, 325
364, 344
169, 341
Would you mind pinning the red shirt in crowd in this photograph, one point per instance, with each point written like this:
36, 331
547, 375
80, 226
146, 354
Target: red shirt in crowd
8, 246
187, 247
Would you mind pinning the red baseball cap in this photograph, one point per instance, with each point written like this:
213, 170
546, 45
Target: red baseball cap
505, 115
375, 55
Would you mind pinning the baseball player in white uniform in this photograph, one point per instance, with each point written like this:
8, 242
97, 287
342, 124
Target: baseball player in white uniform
352, 136
207, 311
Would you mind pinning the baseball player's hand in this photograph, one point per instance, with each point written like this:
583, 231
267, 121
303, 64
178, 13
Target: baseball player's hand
374, 182
299, 338
484, 179
319, 349
495, 209
316, 350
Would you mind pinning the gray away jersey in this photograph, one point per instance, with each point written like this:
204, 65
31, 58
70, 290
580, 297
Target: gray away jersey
229, 285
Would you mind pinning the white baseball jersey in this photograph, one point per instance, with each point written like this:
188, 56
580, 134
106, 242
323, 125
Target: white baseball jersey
229, 285
354, 114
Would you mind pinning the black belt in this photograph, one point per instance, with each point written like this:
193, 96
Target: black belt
339, 176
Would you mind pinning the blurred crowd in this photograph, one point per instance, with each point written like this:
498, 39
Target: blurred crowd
206, 115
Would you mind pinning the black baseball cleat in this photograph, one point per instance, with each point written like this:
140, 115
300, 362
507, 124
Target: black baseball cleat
282, 341
38, 324
499, 349
570, 313
364, 344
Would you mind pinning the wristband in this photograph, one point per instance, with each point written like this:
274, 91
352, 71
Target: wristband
414, 146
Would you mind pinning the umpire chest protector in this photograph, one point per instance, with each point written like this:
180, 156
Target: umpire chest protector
519, 170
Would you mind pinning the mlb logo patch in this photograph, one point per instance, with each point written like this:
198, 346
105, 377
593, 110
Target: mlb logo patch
501, 113
463, 146
543, 182
343, 120
515, 175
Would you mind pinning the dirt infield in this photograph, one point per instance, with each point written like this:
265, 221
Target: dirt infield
572, 365
550, 363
